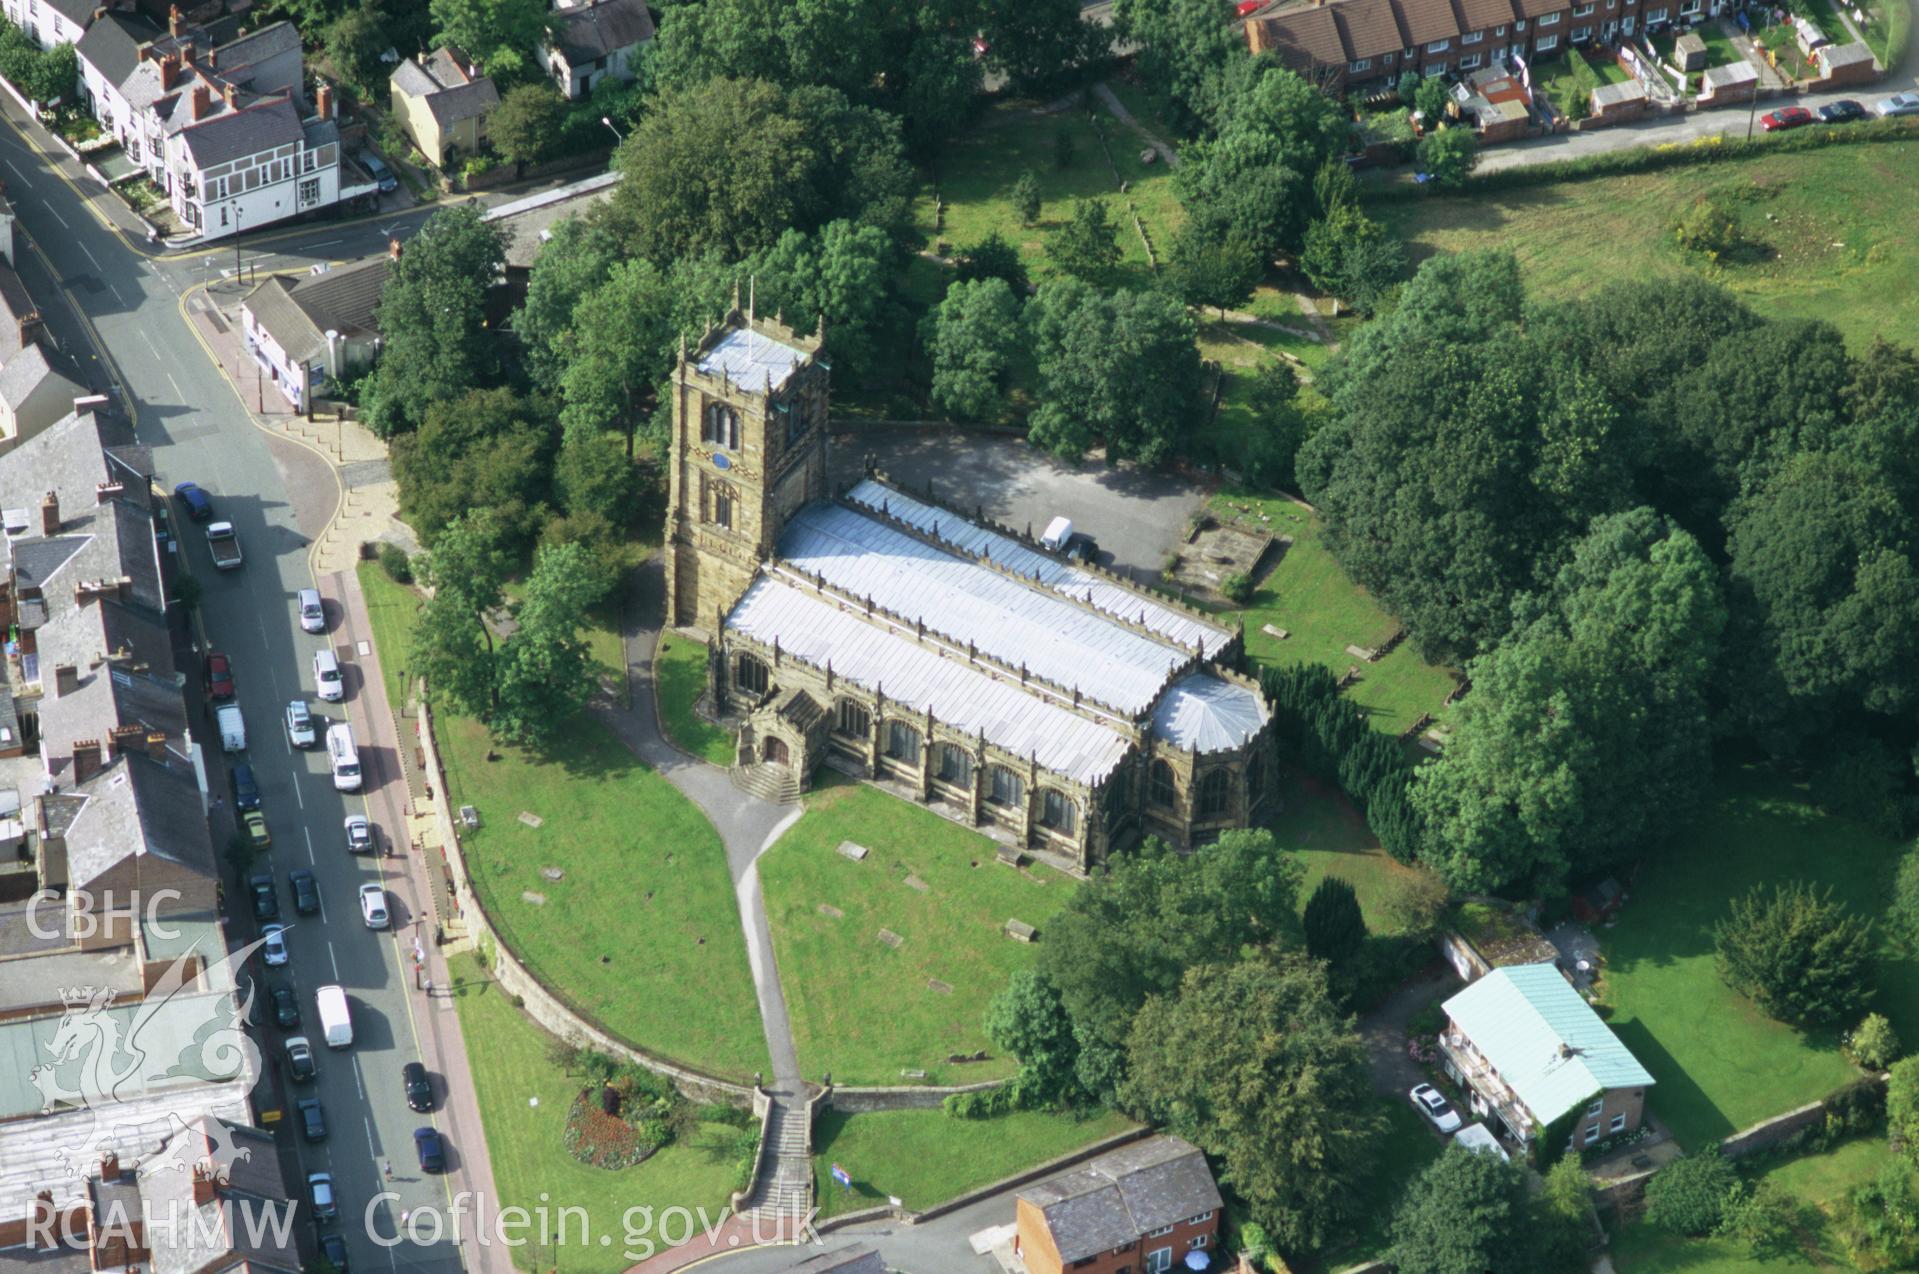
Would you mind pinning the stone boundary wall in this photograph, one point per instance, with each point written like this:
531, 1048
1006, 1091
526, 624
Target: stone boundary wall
539, 1001
904, 1097
762, 1111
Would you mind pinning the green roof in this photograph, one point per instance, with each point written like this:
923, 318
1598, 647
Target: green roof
1543, 1039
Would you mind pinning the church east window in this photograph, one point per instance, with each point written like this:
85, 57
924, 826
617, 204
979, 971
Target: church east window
1004, 787
752, 675
1215, 794
902, 742
1057, 810
853, 719
1161, 789
955, 765
720, 427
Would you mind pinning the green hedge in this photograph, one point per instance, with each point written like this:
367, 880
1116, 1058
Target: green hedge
1646, 159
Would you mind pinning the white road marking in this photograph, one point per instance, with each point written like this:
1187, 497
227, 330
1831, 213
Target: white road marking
325, 243
301, 801
362, 1088
308, 833
10, 168
51, 212
89, 251
335, 959
179, 393
149, 341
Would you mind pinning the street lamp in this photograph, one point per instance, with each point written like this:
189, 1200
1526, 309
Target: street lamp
608, 121
236, 246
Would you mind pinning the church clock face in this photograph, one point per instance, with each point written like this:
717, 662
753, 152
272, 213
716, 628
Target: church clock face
720, 461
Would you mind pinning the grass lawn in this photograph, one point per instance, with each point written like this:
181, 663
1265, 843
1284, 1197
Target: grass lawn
644, 885
1311, 598
1569, 82
924, 1157
1783, 42
1330, 838
1842, 247
679, 667
978, 169
1721, 1064
392, 608
508, 1056
1817, 1180
863, 1009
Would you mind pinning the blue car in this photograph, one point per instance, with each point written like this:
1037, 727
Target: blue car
376, 168
246, 790
199, 504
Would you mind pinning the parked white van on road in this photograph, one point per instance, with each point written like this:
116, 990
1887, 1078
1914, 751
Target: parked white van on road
336, 1021
344, 757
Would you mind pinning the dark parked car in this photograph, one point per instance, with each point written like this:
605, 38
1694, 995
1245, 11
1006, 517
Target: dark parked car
1843, 112
312, 1119
419, 1091
199, 504
1784, 118
333, 1248
320, 1189
286, 1006
246, 789
300, 1064
1082, 548
377, 169
266, 900
306, 891
219, 676
432, 1149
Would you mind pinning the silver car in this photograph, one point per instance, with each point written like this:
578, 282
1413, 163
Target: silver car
1897, 104
1428, 1102
300, 731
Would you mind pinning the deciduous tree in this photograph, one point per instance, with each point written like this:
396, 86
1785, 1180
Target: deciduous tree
525, 127
973, 337
1212, 265
1449, 156
452, 645
575, 261
1088, 245
432, 319
545, 668
486, 449
621, 348
1465, 1213
1121, 368
1252, 1061
1029, 1020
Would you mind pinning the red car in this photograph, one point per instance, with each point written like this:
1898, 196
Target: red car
219, 676
1790, 117
1246, 8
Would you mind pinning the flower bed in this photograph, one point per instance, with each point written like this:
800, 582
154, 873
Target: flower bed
613, 1141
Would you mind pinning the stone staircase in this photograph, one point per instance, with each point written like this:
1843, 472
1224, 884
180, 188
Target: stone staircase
775, 783
785, 1185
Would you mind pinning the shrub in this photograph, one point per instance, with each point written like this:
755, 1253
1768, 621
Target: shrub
1878, 1223
395, 562
1708, 228
1902, 1104
1875, 1045
1237, 588
1691, 1195
1766, 1220
1800, 954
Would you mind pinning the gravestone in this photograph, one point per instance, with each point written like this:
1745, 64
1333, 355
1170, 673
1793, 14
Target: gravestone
914, 882
553, 873
852, 850
531, 819
1275, 632
891, 939
1020, 931
538, 900
938, 987
831, 912
1010, 856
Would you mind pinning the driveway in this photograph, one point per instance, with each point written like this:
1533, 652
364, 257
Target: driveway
1384, 1030
1137, 515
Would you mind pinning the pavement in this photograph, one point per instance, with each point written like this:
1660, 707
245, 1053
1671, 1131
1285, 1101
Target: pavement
1394, 1072
120, 313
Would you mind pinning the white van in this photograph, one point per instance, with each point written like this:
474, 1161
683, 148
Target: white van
326, 677
1058, 532
336, 1022
233, 728
343, 757
312, 613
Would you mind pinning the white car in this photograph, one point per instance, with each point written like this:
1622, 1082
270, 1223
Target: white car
1427, 1100
373, 906
326, 677
1897, 104
359, 834
300, 731
275, 948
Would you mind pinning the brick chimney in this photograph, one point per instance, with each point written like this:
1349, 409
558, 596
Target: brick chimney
169, 72
66, 680
323, 101
197, 104
157, 745
105, 491
176, 21
204, 1188
231, 94
50, 513
86, 760
186, 53
146, 52
123, 739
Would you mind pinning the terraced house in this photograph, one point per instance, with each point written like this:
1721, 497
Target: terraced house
874, 630
1362, 44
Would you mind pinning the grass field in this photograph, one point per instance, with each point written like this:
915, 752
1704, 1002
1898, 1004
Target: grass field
978, 170
1816, 1180
392, 609
1308, 596
641, 931
679, 668
510, 1069
863, 1009
1720, 1063
1330, 838
924, 1157
1837, 223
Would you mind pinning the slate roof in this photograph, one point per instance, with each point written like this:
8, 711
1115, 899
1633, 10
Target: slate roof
18, 304
344, 298
1112, 1200
254, 1191
592, 31
78, 12
1208, 714
450, 94
112, 45
25, 372
248, 131
1545, 1041
274, 309
257, 46
1339, 32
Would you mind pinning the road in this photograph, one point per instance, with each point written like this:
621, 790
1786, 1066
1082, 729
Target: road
117, 311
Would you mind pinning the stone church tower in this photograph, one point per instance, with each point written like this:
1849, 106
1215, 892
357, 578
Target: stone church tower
748, 449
